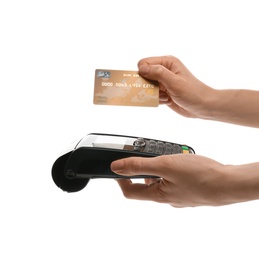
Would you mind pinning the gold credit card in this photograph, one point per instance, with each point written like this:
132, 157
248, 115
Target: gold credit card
124, 88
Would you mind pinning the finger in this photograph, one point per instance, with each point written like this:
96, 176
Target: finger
158, 73
140, 191
133, 166
150, 181
165, 61
163, 96
164, 99
171, 63
172, 82
166, 70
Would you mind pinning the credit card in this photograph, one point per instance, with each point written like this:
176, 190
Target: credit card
124, 88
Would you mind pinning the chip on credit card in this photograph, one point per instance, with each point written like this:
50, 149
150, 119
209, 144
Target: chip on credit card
124, 88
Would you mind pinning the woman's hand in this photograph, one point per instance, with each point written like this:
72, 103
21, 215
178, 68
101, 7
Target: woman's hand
188, 180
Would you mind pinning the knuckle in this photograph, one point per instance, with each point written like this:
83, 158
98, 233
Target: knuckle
127, 194
158, 72
136, 167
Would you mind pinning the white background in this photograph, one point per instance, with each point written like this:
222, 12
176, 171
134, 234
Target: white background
48, 53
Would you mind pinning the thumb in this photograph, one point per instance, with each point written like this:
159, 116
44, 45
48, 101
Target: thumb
133, 166
158, 73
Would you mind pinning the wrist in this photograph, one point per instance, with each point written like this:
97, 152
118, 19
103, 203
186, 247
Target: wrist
209, 100
217, 105
236, 106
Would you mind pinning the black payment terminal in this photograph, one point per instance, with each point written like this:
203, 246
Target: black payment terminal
91, 156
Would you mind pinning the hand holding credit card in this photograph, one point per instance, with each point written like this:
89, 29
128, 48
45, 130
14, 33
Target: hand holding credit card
124, 88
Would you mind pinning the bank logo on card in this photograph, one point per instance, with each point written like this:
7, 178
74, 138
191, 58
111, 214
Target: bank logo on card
103, 74
124, 88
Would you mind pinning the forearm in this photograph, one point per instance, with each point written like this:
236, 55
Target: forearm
233, 106
242, 183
